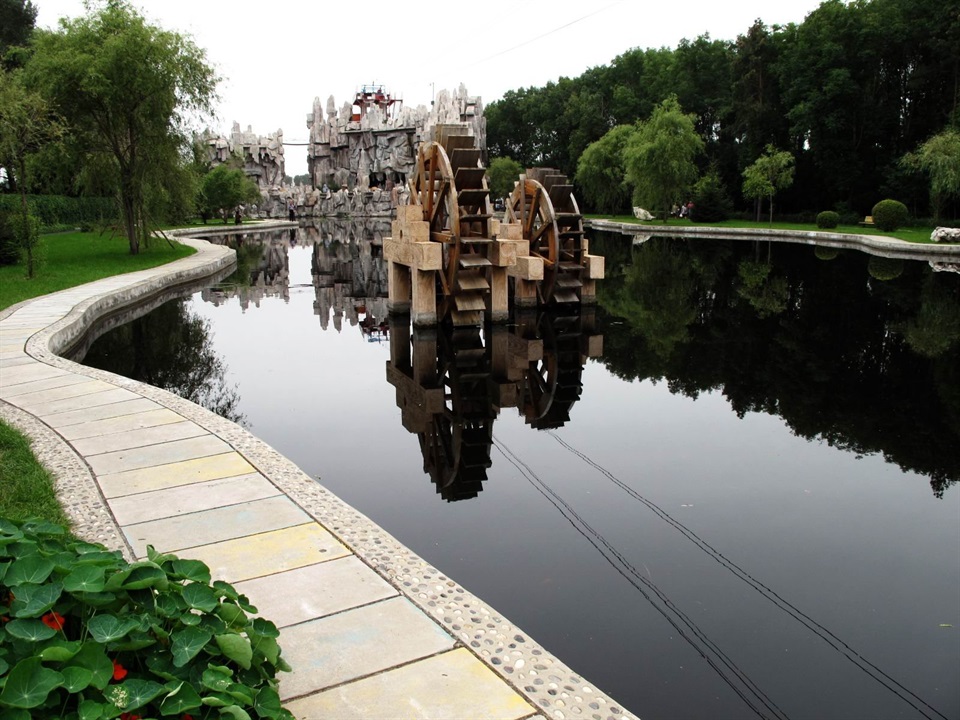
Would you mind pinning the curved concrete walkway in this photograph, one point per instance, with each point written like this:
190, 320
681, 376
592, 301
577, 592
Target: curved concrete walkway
370, 629
873, 244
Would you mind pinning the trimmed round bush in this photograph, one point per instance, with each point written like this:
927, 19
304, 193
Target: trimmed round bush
826, 253
888, 215
828, 219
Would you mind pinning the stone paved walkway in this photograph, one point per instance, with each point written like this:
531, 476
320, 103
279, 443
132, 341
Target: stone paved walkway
370, 629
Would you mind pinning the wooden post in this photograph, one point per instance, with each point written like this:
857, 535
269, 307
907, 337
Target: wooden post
424, 309
399, 288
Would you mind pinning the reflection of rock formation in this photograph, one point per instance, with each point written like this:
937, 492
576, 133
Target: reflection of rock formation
452, 383
263, 269
350, 275
370, 150
262, 156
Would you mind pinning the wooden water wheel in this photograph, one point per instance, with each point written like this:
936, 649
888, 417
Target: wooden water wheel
456, 444
554, 383
450, 185
544, 205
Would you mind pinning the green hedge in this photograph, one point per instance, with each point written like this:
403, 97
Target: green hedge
60, 210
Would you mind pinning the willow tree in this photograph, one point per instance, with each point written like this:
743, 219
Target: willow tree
939, 157
601, 173
659, 157
127, 89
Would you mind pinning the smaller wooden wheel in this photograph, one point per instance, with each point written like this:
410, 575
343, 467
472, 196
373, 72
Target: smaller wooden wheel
543, 203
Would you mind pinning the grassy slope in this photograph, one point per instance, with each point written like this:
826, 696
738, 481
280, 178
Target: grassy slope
71, 259
27, 486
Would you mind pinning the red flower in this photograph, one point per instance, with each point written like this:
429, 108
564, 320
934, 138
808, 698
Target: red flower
54, 620
186, 716
119, 671
129, 716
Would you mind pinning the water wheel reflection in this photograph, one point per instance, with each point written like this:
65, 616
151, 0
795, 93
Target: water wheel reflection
451, 384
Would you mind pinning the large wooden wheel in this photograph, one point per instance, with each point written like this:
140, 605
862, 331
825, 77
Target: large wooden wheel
450, 185
543, 203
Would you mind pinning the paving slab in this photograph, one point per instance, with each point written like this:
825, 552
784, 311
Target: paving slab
14, 361
357, 643
210, 526
267, 553
162, 454
213, 467
143, 437
315, 591
125, 423
28, 373
61, 392
185, 499
451, 685
54, 382
84, 402
75, 417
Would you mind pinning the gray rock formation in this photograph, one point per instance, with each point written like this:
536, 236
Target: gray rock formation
262, 156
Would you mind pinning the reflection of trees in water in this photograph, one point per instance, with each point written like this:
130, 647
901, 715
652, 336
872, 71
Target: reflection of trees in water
170, 349
866, 365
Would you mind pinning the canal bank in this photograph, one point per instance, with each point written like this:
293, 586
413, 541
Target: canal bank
370, 628
873, 244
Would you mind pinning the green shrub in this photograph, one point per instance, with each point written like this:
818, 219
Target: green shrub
9, 248
828, 219
888, 215
826, 253
92, 637
710, 200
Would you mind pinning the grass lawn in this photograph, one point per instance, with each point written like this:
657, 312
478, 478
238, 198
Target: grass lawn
912, 234
71, 259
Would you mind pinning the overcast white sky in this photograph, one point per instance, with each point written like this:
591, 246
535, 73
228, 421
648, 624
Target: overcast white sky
275, 57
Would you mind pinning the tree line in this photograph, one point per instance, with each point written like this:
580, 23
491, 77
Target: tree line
864, 97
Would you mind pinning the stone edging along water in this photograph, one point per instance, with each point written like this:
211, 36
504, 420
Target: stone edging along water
550, 686
873, 244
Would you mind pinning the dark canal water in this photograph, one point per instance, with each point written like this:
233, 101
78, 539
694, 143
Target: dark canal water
729, 492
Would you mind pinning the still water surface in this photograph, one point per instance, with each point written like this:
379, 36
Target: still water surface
730, 492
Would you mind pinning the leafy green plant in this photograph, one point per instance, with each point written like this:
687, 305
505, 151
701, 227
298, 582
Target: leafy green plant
828, 220
86, 635
888, 215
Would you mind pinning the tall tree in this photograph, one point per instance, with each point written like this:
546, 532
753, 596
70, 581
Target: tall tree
127, 88
504, 173
771, 172
17, 19
26, 124
659, 158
